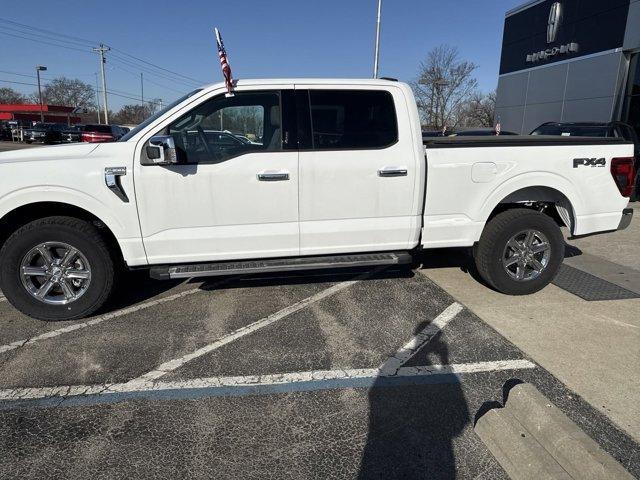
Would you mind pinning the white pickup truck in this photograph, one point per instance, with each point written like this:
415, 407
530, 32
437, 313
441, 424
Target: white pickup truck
294, 174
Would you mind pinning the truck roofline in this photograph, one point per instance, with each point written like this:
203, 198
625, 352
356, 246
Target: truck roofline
382, 82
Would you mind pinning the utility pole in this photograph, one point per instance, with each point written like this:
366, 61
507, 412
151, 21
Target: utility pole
376, 56
97, 99
101, 50
141, 90
40, 68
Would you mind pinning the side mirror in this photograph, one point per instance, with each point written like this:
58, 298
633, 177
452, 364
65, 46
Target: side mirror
161, 151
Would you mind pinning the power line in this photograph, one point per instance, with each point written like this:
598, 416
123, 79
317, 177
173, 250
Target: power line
158, 67
12, 22
46, 37
124, 61
147, 79
119, 93
18, 83
72, 42
110, 92
44, 42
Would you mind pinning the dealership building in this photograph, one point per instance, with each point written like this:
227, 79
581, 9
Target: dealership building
570, 61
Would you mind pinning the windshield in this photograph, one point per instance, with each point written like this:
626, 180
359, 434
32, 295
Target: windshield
573, 130
157, 115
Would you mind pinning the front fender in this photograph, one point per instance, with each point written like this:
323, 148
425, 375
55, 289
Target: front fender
123, 225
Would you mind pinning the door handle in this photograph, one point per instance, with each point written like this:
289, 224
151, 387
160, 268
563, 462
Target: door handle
392, 172
273, 176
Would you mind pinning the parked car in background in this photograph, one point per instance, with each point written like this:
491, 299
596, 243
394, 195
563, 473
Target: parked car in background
72, 134
481, 132
597, 129
5, 131
101, 133
45, 133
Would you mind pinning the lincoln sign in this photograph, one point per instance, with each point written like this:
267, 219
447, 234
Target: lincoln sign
552, 52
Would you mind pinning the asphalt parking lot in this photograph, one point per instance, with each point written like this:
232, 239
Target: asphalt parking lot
369, 374
354, 374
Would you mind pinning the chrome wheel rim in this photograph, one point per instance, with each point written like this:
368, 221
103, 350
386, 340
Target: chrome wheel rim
526, 255
55, 273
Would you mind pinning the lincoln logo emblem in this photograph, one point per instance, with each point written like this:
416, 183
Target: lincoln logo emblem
555, 17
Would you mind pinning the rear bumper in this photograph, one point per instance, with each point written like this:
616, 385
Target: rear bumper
625, 221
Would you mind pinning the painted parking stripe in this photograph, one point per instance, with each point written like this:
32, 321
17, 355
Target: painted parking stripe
412, 347
251, 385
107, 316
172, 365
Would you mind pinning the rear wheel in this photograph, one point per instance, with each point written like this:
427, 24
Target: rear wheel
520, 251
56, 268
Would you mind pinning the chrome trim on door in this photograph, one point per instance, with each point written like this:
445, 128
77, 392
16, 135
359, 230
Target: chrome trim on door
112, 181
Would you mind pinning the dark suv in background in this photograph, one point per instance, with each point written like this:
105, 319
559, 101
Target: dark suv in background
597, 129
45, 133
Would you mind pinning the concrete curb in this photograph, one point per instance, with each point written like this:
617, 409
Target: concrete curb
532, 439
515, 449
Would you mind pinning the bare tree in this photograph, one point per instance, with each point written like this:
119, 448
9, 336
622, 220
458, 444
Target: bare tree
444, 84
68, 92
9, 95
479, 110
135, 113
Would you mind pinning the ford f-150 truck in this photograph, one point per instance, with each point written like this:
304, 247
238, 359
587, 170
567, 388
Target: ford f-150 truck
294, 174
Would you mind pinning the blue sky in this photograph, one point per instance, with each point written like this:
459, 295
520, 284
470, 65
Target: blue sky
277, 38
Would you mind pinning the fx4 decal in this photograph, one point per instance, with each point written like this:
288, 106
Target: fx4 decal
589, 162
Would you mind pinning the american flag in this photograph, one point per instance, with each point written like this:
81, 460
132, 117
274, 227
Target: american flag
224, 63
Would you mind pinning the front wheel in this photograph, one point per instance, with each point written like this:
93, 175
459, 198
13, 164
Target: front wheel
56, 268
520, 251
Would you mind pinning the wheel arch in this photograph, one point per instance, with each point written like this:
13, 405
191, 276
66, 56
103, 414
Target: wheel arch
549, 200
24, 214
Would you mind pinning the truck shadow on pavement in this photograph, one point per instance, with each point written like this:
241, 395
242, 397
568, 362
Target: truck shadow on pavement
462, 258
136, 286
412, 427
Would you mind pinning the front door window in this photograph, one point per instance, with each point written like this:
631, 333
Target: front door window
226, 127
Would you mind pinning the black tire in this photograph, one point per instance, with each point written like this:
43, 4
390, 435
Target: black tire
490, 250
78, 233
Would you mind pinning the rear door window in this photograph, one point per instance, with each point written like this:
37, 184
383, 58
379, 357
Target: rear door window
352, 119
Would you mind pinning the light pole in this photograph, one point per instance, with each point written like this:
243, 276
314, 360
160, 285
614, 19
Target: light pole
97, 99
40, 68
376, 57
101, 50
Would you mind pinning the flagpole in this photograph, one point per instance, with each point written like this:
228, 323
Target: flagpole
376, 57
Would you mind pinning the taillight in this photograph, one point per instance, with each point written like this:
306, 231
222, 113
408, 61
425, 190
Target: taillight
95, 137
624, 174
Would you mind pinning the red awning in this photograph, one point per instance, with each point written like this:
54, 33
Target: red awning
31, 107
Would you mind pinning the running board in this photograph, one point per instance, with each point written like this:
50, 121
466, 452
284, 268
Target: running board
279, 265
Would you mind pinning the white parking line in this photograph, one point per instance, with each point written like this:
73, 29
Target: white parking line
297, 381
176, 363
105, 317
421, 339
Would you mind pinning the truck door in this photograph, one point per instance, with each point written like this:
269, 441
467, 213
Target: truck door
357, 175
235, 193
